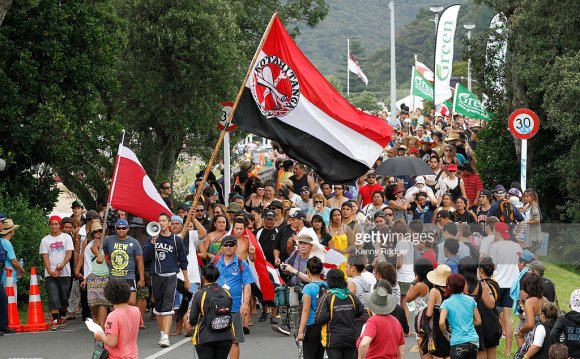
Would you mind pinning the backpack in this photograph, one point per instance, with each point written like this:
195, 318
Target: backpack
219, 315
322, 289
506, 212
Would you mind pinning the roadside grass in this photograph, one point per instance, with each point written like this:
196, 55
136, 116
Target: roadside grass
566, 282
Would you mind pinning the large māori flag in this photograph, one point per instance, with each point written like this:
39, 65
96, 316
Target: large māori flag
286, 99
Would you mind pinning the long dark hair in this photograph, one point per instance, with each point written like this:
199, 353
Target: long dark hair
319, 218
213, 220
468, 269
421, 268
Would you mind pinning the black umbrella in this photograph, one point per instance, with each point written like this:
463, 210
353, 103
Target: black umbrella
403, 166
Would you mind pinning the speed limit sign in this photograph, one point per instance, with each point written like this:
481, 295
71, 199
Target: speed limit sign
524, 123
226, 109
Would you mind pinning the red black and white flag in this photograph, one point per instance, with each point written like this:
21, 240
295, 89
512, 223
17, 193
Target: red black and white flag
132, 190
425, 71
286, 99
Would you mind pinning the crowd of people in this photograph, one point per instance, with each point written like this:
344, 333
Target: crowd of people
436, 257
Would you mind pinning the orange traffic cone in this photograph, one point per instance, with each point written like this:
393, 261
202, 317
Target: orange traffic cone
13, 316
36, 321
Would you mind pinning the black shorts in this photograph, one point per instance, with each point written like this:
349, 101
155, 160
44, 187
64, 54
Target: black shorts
57, 290
132, 283
504, 300
164, 293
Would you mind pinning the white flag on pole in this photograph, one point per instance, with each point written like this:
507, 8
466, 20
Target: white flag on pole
354, 67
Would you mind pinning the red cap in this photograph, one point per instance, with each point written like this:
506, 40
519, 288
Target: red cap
414, 150
55, 218
452, 167
503, 229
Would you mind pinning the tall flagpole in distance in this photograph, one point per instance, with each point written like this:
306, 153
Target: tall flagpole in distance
393, 66
347, 69
226, 125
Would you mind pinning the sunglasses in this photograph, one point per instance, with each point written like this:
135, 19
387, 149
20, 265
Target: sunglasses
338, 188
318, 202
166, 187
230, 244
200, 210
451, 171
121, 228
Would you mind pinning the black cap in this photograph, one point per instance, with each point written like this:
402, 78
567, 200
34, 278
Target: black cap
77, 204
298, 215
228, 239
276, 203
269, 214
92, 214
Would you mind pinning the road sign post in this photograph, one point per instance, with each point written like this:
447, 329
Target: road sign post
524, 124
226, 109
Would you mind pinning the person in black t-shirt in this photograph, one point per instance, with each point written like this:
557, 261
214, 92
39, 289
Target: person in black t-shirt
268, 237
538, 268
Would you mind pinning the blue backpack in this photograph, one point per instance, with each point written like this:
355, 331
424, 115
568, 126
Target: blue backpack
3, 258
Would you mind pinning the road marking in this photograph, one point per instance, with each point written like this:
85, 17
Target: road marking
167, 350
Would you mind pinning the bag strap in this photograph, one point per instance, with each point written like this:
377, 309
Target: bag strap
203, 300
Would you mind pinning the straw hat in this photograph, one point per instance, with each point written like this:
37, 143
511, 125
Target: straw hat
9, 226
439, 275
452, 137
407, 139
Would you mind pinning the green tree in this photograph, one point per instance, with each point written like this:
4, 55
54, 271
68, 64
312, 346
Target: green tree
366, 101
334, 82
57, 63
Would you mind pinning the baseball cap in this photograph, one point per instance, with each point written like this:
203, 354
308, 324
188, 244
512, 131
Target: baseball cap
177, 219
77, 203
230, 239
503, 229
55, 218
276, 203
92, 214
122, 222
538, 267
499, 189
233, 207
414, 150
304, 189
269, 214
379, 214
451, 167
486, 193
527, 256
298, 215
515, 192
443, 214
2, 216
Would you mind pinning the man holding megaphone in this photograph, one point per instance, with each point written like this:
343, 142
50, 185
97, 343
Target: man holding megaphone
168, 257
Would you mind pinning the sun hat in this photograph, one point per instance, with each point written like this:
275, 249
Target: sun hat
380, 301
306, 238
9, 226
96, 227
439, 275
2, 217
246, 166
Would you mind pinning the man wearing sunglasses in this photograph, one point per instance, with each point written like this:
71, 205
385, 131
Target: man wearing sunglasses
165, 191
365, 193
235, 276
125, 255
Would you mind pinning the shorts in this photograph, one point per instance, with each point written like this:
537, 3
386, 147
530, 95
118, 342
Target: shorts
404, 287
133, 284
96, 290
504, 300
164, 294
57, 290
238, 328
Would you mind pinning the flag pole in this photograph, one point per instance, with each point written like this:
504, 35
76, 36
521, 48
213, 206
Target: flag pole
227, 123
113, 183
347, 70
412, 84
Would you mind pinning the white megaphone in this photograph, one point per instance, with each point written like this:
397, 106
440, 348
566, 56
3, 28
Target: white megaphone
153, 229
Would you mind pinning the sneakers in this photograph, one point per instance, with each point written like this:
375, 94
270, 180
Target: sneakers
164, 343
274, 319
263, 317
54, 325
246, 330
283, 329
62, 323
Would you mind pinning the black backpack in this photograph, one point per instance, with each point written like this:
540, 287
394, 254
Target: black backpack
322, 289
506, 212
219, 316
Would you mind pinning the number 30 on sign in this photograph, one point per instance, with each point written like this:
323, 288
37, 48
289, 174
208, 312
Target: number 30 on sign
524, 123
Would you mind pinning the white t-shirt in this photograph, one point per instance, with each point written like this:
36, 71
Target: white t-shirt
505, 256
406, 274
56, 248
539, 336
88, 260
370, 278
192, 265
485, 246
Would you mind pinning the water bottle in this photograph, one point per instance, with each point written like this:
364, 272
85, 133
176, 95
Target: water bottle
22, 265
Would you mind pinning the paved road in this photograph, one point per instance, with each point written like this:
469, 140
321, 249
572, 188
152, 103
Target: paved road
76, 342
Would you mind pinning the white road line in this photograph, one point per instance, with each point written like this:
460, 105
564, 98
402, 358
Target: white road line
167, 350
